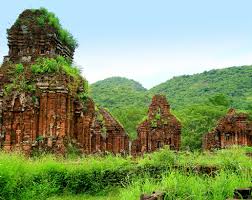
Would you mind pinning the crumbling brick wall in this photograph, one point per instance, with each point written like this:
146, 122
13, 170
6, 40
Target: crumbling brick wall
97, 131
58, 118
53, 115
233, 129
27, 39
159, 129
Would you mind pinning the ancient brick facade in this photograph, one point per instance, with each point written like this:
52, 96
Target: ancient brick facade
97, 131
27, 39
233, 129
53, 115
159, 129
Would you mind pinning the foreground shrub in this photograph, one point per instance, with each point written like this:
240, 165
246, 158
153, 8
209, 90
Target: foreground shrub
42, 177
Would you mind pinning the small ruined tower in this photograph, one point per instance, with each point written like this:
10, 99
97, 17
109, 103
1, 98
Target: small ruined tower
159, 129
108, 135
38, 33
44, 101
233, 129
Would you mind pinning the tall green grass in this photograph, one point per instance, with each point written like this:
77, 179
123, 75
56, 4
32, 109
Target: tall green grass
188, 186
116, 177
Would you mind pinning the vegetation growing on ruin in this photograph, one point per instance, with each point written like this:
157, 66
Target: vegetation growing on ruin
84, 94
58, 65
23, 78
101, 121
44, 65
157, 117
198, 101
182, 175
48, 18
19, 83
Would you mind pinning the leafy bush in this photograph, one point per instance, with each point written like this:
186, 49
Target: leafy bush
52, 65
45, 65
52, 20
61, 65
19, 84
19, 68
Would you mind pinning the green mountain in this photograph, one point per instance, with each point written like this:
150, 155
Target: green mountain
117, 92
126, 99
198, 100
234, 82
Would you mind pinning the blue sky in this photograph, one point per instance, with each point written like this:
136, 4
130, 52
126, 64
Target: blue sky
149, 41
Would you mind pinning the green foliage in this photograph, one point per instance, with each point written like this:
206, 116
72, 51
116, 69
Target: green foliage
126, 100
179, 185
59, 66
129, 117
50, 18
157, 117
232, 86
220, 100
197, 120
45, 65
125, 178
197, 100
44, 18
41, 21
101, 120
40, 138
153, 123
83, 96
85, 86
19, 84
72, 152
8, 88
104, 130
121, 92
53, 21
54, 65
19, 68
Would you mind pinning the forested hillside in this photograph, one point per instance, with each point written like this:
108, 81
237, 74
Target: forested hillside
117, 92
197, 100
234, 82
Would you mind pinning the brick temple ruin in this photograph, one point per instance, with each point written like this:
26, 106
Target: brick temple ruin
52, 116
159, 129
233, 129
27, 39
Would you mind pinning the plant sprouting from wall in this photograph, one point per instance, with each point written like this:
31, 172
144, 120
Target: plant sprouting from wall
19, 82
44, 18
101, 121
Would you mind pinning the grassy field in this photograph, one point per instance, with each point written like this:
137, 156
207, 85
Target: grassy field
182, 175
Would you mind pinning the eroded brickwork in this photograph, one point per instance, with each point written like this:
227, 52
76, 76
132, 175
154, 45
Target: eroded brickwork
97, 131
107, 134
159, 129
233, 129
28, 39
52, 115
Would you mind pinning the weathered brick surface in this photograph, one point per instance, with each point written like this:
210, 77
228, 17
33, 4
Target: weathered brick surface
97, 131
58, 118
233, 129
27, 42
53, 116
107, 134
159, 129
